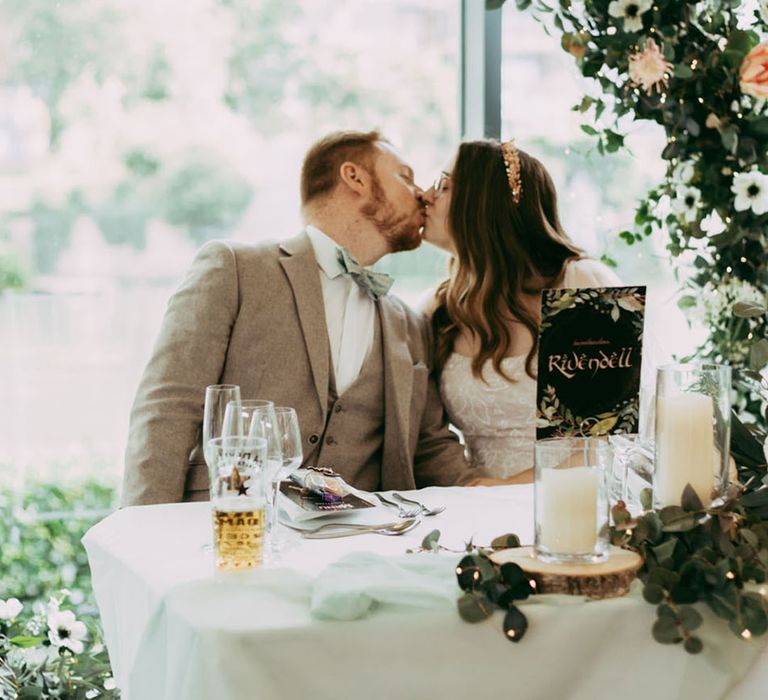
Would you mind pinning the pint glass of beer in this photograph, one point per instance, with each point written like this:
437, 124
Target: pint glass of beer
239, 488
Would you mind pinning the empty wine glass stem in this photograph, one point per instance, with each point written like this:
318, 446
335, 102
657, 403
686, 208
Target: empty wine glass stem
273, 519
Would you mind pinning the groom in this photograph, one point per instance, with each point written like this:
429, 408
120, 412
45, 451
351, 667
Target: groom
303, 323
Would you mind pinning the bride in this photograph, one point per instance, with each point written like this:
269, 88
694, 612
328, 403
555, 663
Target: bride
495, 212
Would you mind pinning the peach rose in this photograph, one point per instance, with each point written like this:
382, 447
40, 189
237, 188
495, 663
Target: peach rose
753, 75
649, 68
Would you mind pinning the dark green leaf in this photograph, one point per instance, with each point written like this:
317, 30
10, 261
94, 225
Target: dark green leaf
666, 578
690, 500
675, 519
473, 607
753, 613
646, 498
653, 593
508, 541
468, 573
682, 594
690, 618
665, 610
515, 624
729, 135
693, 645
587, 129
741, 41
683, 71
665, 631
665, 550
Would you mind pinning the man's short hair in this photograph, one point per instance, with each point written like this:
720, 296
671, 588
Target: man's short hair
320, 170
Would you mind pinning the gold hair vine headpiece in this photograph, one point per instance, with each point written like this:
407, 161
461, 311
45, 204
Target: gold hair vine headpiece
512, 166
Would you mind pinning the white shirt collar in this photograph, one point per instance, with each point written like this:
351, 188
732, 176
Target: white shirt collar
325, 251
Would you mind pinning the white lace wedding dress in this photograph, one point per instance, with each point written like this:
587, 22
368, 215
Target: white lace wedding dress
497, 418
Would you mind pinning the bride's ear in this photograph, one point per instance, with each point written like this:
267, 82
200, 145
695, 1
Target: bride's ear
355, 178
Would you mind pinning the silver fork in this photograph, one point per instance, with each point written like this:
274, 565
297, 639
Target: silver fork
422, 509
402, 511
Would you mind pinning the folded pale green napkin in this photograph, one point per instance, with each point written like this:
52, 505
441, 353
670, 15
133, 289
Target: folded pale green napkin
354, 585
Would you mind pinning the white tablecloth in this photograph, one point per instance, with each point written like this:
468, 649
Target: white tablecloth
176, 631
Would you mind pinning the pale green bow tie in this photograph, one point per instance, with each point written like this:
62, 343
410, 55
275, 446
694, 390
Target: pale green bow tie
375, 284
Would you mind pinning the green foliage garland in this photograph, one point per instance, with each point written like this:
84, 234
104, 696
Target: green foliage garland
716, 132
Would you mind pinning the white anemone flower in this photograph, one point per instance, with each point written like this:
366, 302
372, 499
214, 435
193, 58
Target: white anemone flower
9, 609
683, 172
631, 11
751, 190
686, 202
65, 631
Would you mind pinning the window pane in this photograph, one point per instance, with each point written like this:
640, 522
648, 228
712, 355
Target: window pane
132, 132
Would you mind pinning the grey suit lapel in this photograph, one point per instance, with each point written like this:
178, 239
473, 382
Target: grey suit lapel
300, 266
398, 388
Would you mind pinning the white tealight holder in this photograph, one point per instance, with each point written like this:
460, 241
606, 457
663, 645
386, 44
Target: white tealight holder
571, 503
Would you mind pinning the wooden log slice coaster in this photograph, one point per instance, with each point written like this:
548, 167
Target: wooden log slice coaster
608, 579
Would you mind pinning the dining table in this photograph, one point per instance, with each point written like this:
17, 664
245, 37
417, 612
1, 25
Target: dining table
371, 616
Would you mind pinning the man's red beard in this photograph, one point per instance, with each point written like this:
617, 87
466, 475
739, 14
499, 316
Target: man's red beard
400, 230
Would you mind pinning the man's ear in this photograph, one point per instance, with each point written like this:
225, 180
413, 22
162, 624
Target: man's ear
354, 177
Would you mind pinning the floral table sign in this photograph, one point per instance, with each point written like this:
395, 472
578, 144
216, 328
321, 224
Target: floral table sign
590, 347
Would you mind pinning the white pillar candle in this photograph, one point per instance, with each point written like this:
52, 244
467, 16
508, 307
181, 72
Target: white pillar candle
568, 523
684, 447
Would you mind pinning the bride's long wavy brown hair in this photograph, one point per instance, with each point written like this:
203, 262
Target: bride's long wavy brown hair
503, 251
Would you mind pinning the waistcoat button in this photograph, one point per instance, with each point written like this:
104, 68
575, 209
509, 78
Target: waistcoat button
337, 408
330, 440
313, 438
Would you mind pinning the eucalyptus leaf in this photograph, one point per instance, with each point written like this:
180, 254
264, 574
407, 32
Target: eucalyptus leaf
753, 613
693, 645
468, 573
758, 354
690, 500
749, 309
646, 498
431, 541
515, 624
665, 631
508, 541
690, 618
675, 519
653, 593
664, 577
665, 550
473, 607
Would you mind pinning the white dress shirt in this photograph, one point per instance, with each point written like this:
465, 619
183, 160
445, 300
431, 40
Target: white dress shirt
349, 312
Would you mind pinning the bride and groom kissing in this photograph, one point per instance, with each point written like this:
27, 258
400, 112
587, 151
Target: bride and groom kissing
375, 384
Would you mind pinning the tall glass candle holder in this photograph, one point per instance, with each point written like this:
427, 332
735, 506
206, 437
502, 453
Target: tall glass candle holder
693, 432
571, 501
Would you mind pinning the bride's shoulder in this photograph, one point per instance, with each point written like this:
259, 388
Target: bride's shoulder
588, 272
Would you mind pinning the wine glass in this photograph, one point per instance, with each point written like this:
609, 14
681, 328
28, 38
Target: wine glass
217, 399
290, 441
293, 455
